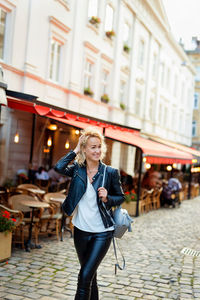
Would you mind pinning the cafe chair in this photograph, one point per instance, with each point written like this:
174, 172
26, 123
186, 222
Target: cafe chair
4, 192
38, 219
43, 184
156, 198
145, 200
57, 216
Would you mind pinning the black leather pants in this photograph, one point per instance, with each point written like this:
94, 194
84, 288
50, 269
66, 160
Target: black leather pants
91, 249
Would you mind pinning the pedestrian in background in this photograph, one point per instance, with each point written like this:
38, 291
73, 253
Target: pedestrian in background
93, 225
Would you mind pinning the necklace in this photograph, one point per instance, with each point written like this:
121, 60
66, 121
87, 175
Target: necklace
91, 171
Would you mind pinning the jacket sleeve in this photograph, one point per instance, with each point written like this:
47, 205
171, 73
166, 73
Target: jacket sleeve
115, 193
63, 167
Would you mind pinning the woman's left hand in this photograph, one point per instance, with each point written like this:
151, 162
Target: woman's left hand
103, 194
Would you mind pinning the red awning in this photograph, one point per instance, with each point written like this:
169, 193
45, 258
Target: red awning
57, 115
154, 152
181, 147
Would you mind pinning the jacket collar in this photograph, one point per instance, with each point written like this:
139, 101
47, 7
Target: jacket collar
97, 179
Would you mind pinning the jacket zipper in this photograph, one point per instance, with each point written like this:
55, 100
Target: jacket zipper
82, 179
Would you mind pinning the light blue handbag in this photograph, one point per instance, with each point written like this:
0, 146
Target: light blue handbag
121, 219
122, 222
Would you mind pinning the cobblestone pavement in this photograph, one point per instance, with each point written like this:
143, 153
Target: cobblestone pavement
155, 267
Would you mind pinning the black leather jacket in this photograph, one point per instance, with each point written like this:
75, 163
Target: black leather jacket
79, 184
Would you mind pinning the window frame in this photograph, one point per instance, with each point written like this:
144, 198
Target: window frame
194, 128
104, 82
105, 20
96, 12
141, 53
56, 65
196, 100
88, 74
5, 50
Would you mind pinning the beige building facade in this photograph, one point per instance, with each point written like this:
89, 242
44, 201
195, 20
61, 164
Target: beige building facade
194, 55
115, 60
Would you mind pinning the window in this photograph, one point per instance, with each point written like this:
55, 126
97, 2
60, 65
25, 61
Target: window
175, 85
55, 60
162, 74
154, 66
109, 18
197, 77
194, 128
138, 98
126, 33
151, 109
3, 16
183, 92
92, 8
168, 79
105, 76
196, 100
165, 118
122, 92
181, 123
160, 113
141, 54
88, 72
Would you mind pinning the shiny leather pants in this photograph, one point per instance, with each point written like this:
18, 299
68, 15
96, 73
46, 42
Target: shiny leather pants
91, 249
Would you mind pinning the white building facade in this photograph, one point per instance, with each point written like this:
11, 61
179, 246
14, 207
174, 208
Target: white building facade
118, 51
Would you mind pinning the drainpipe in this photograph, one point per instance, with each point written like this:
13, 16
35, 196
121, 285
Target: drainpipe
190, 181
32, 145
139, 183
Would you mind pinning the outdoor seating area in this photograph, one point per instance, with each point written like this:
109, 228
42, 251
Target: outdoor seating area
37, 212
152, 193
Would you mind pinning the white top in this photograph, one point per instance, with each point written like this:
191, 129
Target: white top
87, 216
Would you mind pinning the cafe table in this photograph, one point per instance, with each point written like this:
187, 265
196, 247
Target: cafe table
36, 191
33, 205
59, 198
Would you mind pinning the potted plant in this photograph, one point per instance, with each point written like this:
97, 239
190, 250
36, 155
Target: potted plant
126, 48
122, 105
88, 92
7, 224
110, 34
94, 20
130, 202
105, 98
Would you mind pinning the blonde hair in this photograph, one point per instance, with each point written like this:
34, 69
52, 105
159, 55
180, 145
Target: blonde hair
87, 133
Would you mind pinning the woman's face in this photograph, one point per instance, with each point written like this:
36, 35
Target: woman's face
93, 149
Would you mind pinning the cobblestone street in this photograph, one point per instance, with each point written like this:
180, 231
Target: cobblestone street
155, 266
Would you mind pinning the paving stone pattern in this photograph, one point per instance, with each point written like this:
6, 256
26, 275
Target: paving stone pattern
155, 267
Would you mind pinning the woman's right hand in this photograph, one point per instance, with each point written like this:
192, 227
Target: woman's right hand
78, 146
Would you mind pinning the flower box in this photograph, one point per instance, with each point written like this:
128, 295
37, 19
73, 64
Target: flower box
88, 92
131, 207
105, 98
110, 34
94, 20
5, 245
126, 48
122, 106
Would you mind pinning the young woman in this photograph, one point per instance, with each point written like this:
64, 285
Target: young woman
93, 226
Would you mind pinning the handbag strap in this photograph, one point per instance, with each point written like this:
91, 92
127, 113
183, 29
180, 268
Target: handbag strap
114, 246
104, 174
123, 259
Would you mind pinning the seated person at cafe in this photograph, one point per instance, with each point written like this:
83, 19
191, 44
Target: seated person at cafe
42, 174
152, 179
126, 180
170, 193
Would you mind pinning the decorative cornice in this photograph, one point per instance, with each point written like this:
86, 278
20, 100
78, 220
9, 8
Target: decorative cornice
104, 56
59, 24
91, 47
